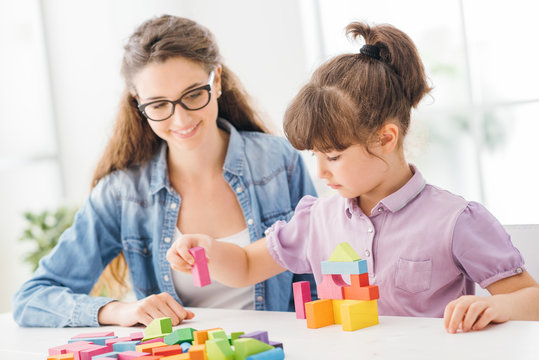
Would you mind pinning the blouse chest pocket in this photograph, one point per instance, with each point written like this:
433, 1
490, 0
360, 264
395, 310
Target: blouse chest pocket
138, 255
413, 275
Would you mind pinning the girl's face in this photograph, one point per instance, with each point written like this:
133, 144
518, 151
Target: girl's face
352, 172
185, 129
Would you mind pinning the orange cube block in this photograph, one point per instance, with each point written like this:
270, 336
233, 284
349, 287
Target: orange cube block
319, 313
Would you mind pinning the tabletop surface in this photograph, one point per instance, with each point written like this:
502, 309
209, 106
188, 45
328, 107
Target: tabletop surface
393, 338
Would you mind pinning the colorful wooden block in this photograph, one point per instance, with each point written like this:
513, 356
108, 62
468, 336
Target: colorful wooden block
217, 334
276, 344
362, 293
336, 267
137, 336
130, 355
63, 349
302, 294
359, 280
185, 346
94, 350
109, 355
200, 271
69, 356
147, 347
235, 335
259, 335
219, 349
344, 253
125, 346
245, 347
95, 340
94, 335
358, 314
331, 287
319, 313
273, 354
200, 336
167, 350
179, 335
159, 327
198, 352
176, 357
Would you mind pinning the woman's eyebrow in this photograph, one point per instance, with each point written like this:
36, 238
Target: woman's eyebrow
195, 85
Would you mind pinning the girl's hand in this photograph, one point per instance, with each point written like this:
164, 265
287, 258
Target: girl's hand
143, 311
475, 312
180, 258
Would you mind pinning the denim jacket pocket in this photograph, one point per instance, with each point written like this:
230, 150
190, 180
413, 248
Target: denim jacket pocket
138, 255
413, 275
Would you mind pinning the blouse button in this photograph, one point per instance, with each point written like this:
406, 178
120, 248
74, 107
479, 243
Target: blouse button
259, 298
173, 206
380, 209
518, 270
370, 229
167, 240
250, 222
165, 277
367, 253
239, 189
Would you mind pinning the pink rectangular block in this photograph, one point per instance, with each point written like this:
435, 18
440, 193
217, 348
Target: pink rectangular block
77, 347
87, 354
136, 336
200, 271
63, 349
302, 294
129, 355
94, 335
159, 339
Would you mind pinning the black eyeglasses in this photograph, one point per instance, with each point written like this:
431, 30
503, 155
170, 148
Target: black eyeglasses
192, 100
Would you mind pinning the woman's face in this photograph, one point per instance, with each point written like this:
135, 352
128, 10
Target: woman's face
170, 80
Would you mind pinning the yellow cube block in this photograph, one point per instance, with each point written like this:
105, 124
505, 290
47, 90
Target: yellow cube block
358, 314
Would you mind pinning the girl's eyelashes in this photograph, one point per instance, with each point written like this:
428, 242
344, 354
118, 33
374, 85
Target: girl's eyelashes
333, 158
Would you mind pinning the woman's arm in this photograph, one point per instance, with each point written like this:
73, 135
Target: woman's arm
228, 263
513, 298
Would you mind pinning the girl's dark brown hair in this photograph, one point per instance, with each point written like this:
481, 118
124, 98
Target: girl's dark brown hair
351, 96
133, 141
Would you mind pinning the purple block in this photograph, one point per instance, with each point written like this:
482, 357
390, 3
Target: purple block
259, 335
276, 344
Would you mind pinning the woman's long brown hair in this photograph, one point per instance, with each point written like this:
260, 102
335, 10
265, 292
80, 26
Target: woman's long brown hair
133, 141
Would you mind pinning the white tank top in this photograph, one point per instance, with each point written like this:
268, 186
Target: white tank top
215, 295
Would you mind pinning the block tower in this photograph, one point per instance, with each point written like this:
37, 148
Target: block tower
352, 305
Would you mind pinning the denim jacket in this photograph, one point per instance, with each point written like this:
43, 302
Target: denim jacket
136, 211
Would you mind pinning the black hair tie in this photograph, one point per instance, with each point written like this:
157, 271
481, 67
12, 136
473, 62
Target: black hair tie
371, 51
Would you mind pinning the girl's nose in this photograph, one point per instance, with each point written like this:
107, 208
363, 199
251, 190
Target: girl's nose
321, 170
180, 116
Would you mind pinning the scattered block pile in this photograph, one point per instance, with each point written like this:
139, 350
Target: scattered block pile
352, 305
160, 341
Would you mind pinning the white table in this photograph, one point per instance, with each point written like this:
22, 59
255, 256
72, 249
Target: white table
394, 338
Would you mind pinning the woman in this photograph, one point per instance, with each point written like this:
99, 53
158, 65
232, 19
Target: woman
188, 155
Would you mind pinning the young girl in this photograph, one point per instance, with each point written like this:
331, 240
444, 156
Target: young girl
188, 154
424, 246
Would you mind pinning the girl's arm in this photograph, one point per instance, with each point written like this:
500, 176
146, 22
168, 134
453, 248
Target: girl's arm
513, 298
228, 263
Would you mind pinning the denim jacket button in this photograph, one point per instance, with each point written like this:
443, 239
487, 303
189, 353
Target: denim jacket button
165, 277
250, 222
167, 239
239, 189
173, 206
260, 298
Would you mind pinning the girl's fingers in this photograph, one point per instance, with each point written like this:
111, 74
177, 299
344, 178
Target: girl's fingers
472, 314
486, 318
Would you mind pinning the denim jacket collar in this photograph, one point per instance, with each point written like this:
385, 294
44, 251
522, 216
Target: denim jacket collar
234, 159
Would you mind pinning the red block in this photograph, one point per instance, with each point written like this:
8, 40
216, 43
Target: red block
167, 350
359, 280
302, 294
361, 293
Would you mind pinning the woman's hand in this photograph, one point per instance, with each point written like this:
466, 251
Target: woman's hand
180, 258
143, 311
475, 312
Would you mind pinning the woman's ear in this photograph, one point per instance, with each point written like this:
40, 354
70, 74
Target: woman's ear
217, 81
388, 137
